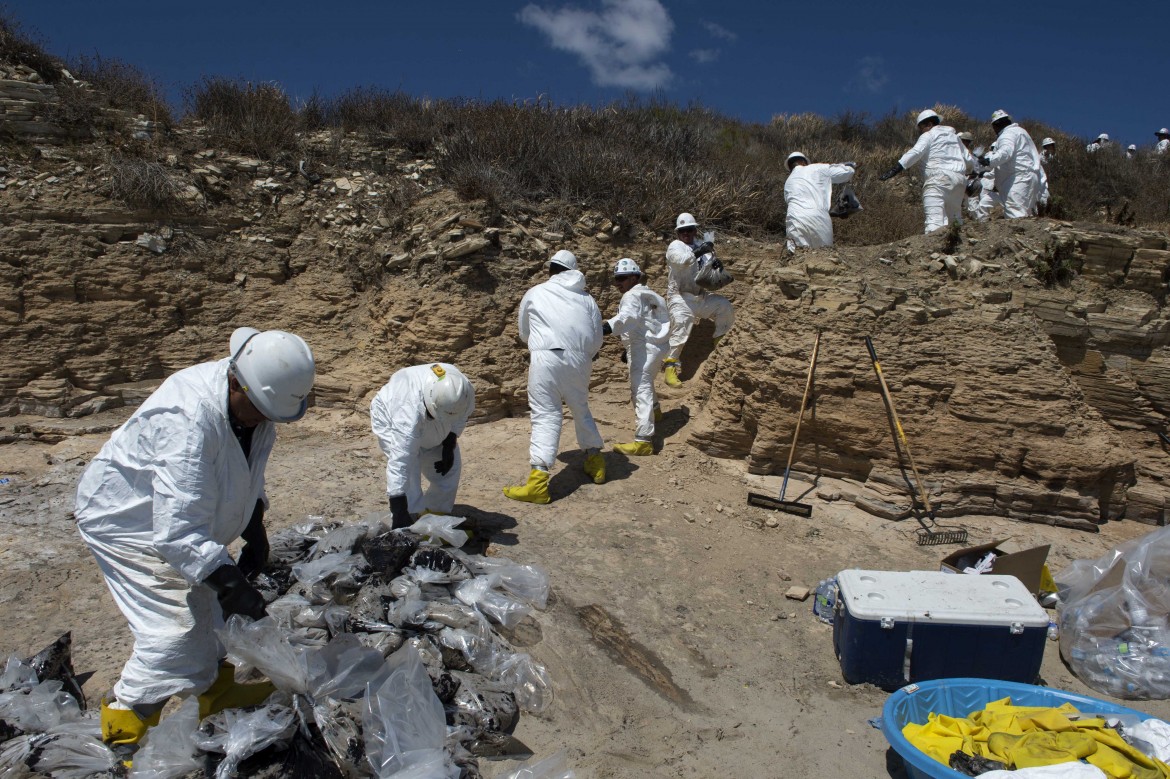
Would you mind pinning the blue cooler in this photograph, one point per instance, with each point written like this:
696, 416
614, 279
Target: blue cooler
891, 628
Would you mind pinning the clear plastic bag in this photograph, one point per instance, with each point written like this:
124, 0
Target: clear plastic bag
337, 564
169, 750
555, 766
404, 724
43, 708
528, 680
239, 734
442, 526
709, 271
495, 605
527, 582
60, 755
846, 203
1115, 619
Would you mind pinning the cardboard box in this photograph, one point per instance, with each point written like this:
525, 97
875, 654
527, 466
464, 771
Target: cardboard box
1025, 565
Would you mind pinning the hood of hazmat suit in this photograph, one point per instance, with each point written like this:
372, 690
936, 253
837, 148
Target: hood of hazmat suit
173, 480
808, 193
399, 419
642, 317
561, 314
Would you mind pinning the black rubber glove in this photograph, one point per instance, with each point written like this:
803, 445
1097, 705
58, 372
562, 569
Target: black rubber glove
984, 161
606, 329
235, 595
889, 174
254, 555
706, 247
443, 467
399, 513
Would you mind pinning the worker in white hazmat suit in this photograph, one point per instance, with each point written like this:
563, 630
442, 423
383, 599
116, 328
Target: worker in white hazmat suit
1100, 142
158, 506
808, 195
417, 418
945, 164
561, 324
1047, 151
643, 324
1019, 176
686, 299
1163, 144
1131, 151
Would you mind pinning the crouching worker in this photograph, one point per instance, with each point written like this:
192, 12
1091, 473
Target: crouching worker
174, 485
643, 323
418, 418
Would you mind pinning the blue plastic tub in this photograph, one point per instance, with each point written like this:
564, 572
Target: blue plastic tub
960, 697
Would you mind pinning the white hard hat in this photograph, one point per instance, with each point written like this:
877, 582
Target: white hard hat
1131, 147
999, 114
565, 258
1103, 137
966, 136
1163, 131
275, 370
796, 155
927, 114
626, 267
685, 220
450, 394
1047, 142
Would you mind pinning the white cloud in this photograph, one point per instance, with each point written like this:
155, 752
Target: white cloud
620, 44
871, 75
704, 56
719, 31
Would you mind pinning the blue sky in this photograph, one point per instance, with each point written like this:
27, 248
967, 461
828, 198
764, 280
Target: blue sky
1083, 67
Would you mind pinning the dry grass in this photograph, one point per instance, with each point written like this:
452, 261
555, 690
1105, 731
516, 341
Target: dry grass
20, 47
143, 184
246, 117
124, 86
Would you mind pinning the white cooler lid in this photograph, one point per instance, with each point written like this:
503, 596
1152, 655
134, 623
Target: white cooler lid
933, 596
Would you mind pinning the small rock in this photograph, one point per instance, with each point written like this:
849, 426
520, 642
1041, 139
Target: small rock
718, 508
835, 684
783, 576
797, 592
772, 522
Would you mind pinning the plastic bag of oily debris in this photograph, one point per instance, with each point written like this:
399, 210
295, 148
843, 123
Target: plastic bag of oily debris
494, 604
441, 526
169, 750
709, 271
238, 734
403, 720
846, 203
60, 755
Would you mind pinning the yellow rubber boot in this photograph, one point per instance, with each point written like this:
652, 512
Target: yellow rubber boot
122, 729
595, 467
535, 490
672, 371
657, 413
226, 693
636, 449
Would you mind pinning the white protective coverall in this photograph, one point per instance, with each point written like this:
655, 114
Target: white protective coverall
808, 194
413, 441
643, 323
1016, 162
688, 301
158, 507
1162, 146
561, 324
945, 163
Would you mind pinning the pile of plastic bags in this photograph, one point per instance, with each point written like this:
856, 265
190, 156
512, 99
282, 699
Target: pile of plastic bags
1114, 628
384, 649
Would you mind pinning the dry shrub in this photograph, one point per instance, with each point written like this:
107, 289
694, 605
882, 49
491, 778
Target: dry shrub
124, 86
143, 184
246, 117
20, 47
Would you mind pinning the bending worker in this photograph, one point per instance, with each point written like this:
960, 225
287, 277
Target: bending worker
945, 162
686, 299
1018, 175
174, 485
417, 418
643, 324
808, 194
561, 324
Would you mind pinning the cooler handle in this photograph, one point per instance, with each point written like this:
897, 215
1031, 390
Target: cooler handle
908, 653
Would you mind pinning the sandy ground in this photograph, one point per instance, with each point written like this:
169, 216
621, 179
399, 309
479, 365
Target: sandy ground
673, 650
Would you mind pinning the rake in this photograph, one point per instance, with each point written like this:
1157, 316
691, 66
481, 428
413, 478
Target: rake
779, 504
930, 533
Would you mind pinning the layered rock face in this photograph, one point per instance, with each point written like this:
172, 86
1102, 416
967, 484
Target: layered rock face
1038, 403
1028, 360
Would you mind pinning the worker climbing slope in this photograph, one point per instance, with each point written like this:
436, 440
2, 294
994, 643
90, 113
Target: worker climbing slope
417, 418
945, 165
686, 299
643, 324
808, 194
1015, 159
174, 485
561, 324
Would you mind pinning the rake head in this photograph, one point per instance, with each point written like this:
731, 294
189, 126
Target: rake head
938, 535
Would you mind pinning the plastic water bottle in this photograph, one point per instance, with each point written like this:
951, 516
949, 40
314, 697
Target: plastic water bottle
825, 599
1053, 631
